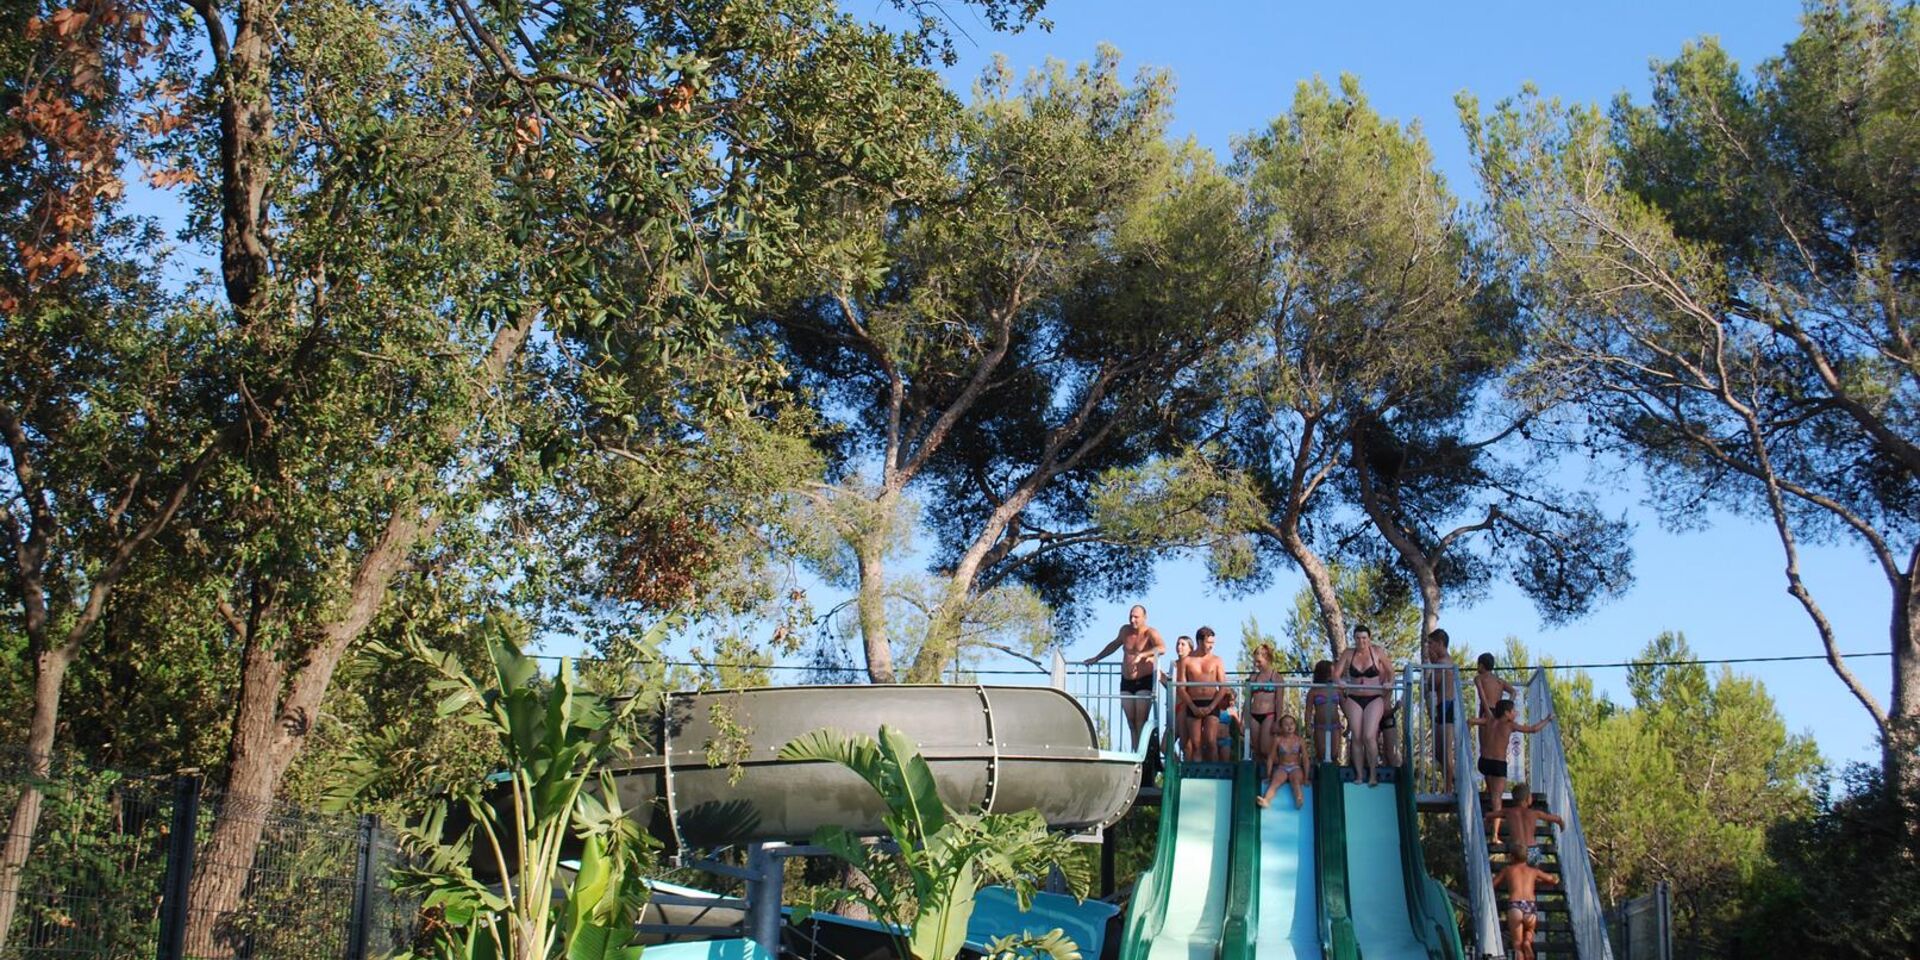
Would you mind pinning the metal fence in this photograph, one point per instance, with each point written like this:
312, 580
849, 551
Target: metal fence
1642, 928
114, 856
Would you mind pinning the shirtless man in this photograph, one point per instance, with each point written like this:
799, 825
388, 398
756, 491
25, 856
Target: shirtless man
1143, 646
1200, 704
1496, 729
1523, 911
1523, 822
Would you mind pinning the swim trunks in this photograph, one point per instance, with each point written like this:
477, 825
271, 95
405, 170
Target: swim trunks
1198, 712
1535, 855
1442, 711
1493, 768
1140, 684
1526, 907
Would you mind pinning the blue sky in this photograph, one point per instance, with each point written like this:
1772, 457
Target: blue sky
1236, 66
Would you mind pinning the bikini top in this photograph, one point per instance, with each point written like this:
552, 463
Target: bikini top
1371, 671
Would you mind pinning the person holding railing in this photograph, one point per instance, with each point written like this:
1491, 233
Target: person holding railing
1523, 913
1496, 731
1365, 671
1523, 821
1143, 646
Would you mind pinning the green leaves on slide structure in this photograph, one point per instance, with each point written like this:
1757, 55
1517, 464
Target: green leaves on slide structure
555, 797
925, 891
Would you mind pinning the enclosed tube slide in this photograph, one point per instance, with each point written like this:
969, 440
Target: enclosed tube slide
999, 749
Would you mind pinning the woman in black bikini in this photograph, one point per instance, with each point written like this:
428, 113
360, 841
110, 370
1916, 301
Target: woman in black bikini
1264, 684
1364, 666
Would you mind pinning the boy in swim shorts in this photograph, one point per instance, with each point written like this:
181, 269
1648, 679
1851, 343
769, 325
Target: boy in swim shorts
1523, 911
1495, 729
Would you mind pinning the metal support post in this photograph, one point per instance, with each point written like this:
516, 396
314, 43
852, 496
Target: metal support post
1109, 854
763, 897
179, 879
363, 881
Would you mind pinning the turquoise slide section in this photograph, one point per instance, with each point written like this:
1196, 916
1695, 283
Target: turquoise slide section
1376, 879
1197, 885
1289, 897
1385, 882
1179, 906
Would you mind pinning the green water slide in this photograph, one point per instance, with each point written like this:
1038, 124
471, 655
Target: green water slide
1335, 916
1180, 907
1398, 911
1280, 919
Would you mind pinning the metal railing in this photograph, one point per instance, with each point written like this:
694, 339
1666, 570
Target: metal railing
1097, 687
1427, 690
1290, 695
1548, 776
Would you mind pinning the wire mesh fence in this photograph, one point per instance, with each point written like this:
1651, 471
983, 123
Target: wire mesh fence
130, 866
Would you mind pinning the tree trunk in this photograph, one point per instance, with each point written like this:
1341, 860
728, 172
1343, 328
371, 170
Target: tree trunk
50, 670
1900, 755
942, 643
271, 726
872, 603
1403, 544
1333, 621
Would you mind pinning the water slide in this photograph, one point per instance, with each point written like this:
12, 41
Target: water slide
710, 775
1398, 911
1179, 906
1288, 926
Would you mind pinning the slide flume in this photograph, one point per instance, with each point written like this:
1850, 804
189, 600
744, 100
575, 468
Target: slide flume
1289, 927
1395, 916
1179, 906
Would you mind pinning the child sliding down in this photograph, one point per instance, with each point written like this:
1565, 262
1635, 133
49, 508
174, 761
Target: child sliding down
1288, 761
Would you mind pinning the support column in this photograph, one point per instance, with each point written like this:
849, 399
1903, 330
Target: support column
763, 897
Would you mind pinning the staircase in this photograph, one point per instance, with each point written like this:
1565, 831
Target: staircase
1553, 936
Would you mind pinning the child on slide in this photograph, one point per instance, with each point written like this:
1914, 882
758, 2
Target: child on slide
1288, 760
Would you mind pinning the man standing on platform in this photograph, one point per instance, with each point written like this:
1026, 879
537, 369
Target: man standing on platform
1142, 646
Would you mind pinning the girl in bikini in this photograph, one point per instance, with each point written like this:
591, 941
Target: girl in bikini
1323, 712
1288, 760
1260, 703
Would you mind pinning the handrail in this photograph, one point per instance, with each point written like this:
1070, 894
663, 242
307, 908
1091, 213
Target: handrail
1485, 912
1242, 689
1548, 768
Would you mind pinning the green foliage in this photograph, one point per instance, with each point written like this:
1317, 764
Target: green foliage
1000, 330
924, 893
556, 796
98, 860
1722, 279
1843, 883
1685, 785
